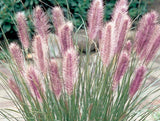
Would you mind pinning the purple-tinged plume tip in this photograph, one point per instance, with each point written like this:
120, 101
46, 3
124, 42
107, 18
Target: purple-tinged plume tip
95, 18
65, 37
15, 89
105, 44
33, 79
22, 29
70, 69
58, 18
154, 45
55, 78
41, 23
40, 53
121, 68
17, 55
145, 32
139, 75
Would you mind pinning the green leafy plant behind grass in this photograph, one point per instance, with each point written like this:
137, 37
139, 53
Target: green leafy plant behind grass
110, 85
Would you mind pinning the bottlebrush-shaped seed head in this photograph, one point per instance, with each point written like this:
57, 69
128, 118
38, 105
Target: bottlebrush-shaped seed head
121, 68
39, 47
22, 29
145, 31
15, 89
95, 18
121, 7
154, 45
124, 28
139, 76
55, 78
41, 23
34, 82
105, 44
17, 55
65, 37
58, 18
70, 70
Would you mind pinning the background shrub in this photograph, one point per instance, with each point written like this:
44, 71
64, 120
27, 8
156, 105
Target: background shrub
73, 9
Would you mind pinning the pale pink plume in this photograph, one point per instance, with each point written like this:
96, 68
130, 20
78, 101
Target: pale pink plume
121, 68
55, 78
139, 76
145, 32
121, 7
17, 55
39, 47
121, 22
95, 18
34, 82
154, 45
124, 28
65, 37
105, 44
58, 18
15, 89
41, 23
70, 70
22, 29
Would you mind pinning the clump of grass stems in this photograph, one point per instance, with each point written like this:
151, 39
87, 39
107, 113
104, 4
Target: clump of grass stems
111, 85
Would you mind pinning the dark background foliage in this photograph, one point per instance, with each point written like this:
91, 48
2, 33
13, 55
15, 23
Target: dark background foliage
74, 10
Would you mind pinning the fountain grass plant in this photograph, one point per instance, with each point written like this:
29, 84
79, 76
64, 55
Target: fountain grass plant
111, 85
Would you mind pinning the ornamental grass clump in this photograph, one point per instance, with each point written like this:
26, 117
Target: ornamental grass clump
110, 85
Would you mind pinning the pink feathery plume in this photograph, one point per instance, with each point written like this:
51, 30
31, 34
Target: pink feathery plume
154, 45
128, 47
121, 7
70, 68
105, 44
33, 79
22, 29
121, 68
95, 18
17, 55
125, 25
145, 32
55, 78
65, 37
121, 22
40, 53
15, 89
139, 75
121, 10
58, 18
41, 23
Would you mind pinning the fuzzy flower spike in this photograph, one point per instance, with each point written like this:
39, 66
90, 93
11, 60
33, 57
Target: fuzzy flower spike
58, 18
17, 55
41, 23
13, 86
121, 68
33, 79
65, 37
154, 45
40, 53
145, 32
56, 83
70, 68
95, 18
139, 75
105, 44
22, 29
